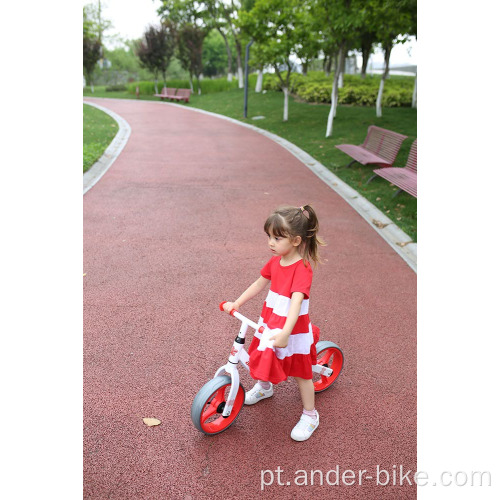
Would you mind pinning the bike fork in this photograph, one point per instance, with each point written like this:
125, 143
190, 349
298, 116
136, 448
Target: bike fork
237, 355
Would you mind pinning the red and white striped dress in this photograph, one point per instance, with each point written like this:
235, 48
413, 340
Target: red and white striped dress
275, 364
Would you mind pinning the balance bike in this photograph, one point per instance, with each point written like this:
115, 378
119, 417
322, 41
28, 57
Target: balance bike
221, 399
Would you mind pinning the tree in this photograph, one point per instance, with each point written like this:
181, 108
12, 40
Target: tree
92, 43
341, 22
214, 55
277, 28
156, 48
190, 49
91, 54
193, 24
309, 44
394, 20
231, 15
216, 10
365, 44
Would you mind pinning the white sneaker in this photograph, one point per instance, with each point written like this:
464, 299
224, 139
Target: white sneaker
305, 427
257, 393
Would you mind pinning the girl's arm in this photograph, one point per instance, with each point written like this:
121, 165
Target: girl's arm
255, 288
281, 339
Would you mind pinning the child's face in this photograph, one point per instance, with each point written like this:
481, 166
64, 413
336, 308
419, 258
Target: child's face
281, 245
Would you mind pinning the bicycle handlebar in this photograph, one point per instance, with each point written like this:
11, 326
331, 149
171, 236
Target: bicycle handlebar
236, 314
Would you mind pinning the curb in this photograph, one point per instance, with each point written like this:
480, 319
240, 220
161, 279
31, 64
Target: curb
390, 232
100, 167
399, 241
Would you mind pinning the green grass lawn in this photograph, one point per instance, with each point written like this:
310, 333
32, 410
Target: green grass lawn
306, 127
98, 131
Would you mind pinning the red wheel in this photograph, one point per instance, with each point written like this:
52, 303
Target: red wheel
209, 403
330, 355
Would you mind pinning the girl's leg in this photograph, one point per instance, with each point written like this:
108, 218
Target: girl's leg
306, 389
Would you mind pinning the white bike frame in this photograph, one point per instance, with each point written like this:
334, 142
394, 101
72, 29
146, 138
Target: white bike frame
240, 355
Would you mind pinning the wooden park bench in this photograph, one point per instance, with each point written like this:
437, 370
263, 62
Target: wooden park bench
380, 147
182, 95
404, 178
166, 93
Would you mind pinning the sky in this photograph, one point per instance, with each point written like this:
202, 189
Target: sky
130, 19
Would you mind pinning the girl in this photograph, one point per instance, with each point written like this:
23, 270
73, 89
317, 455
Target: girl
288, 345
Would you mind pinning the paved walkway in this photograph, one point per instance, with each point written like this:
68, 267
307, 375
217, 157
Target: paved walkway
173, 228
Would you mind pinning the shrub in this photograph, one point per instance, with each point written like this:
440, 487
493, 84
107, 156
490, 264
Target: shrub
116, 88
208, 86
315, 92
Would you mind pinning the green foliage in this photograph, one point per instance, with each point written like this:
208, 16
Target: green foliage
215, 54
116, 88
317, 88
208, 86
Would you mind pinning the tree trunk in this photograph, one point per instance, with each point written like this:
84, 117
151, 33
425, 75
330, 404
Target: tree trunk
238, 61
365, 50
335, 91
414, 98
285, 106
328, 66
305, 64
156, 84
340, 69
240, 77
387, 56
191, 82
260, 76
229, 57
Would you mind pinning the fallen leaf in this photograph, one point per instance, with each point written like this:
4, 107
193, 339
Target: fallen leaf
398, 218
84, 274
151, 422
403, 243
379, 224
387, 211
378, 198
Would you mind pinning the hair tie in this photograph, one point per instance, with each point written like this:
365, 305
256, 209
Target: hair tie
305, 212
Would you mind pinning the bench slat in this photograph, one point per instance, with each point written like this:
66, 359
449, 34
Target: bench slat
380, 147
404, 178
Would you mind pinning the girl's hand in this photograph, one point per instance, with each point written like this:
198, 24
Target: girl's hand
280, 339
229, 306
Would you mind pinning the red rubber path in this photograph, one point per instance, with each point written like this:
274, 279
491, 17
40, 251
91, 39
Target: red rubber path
173, 228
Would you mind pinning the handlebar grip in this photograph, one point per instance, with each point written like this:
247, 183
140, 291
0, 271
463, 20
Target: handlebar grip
221, 307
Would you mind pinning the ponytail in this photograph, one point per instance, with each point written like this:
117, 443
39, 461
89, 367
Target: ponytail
297, 221
312, 240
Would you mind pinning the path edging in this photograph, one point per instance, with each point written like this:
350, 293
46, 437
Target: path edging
100, 167
397, 239
388, 230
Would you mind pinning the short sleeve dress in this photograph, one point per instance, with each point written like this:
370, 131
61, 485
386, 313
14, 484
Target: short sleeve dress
275, 364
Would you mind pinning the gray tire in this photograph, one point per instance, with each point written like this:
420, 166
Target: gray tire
213, 394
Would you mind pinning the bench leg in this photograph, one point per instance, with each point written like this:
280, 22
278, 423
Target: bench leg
397, 192
353, 161
371, 178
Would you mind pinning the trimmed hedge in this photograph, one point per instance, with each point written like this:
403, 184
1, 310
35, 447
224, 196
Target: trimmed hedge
316, 87
208, 86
